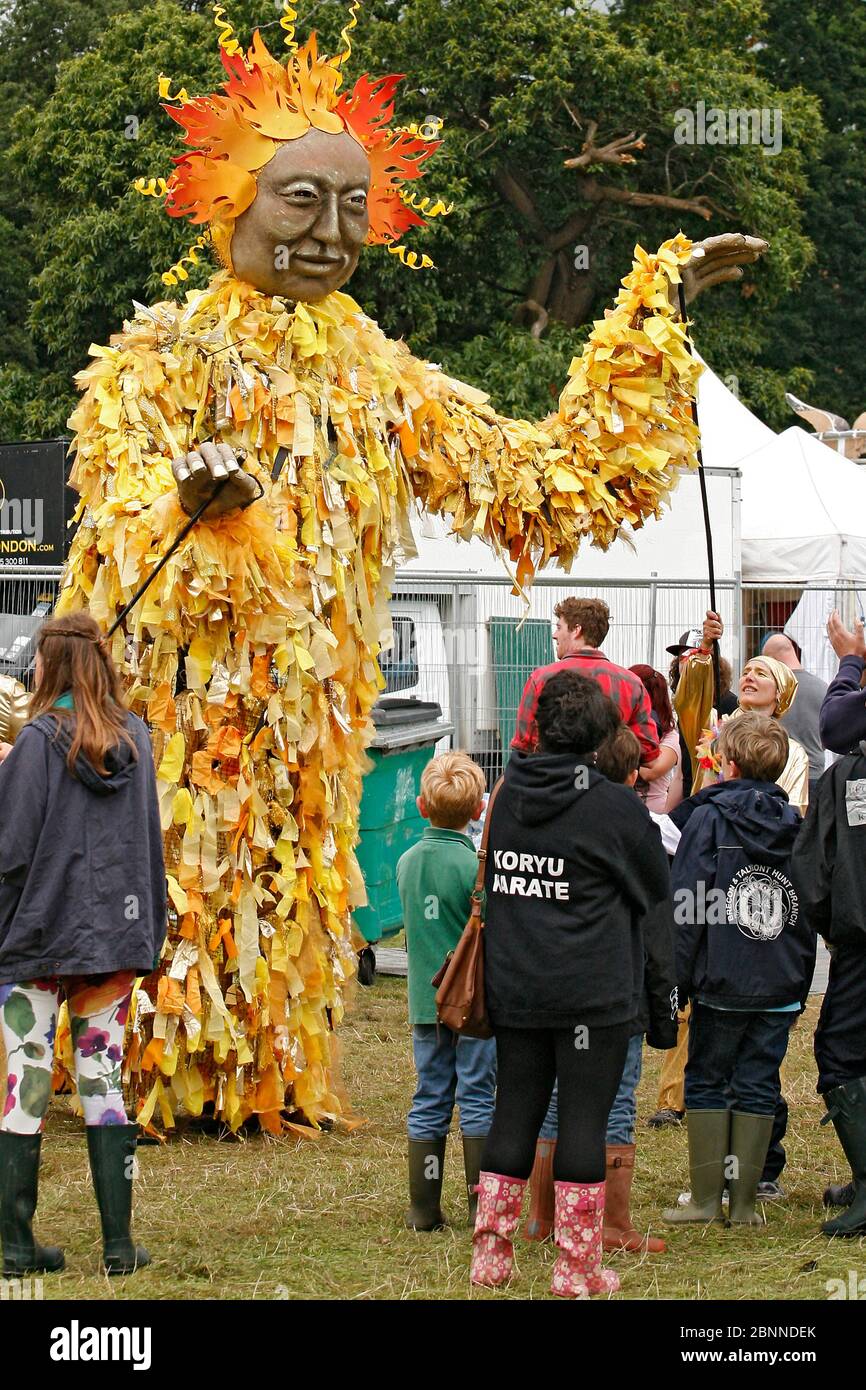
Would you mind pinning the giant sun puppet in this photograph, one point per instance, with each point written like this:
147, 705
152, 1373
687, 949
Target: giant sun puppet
253, 654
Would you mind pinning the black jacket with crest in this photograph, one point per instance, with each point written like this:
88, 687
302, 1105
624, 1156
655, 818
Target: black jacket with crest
830, 854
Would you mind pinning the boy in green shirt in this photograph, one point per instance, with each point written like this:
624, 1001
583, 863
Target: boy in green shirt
435, 879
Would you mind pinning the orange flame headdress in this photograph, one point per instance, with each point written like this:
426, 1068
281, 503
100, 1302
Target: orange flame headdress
264, 103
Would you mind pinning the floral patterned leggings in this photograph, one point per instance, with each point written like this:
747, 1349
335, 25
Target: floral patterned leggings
98, 1006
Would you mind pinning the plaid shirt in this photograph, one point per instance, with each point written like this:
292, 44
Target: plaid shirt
623, 687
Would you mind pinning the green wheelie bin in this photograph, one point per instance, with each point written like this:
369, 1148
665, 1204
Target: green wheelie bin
407, 732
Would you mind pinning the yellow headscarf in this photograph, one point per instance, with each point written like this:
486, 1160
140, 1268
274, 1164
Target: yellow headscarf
785, 680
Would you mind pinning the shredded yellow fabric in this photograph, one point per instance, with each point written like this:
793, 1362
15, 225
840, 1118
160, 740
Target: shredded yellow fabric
253, 655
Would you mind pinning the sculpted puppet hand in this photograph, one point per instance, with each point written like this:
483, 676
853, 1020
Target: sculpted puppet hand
717, 260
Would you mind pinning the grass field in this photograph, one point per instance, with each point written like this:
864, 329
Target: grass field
290, 1218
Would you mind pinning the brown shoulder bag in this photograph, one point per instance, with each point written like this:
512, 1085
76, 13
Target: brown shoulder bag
460, 1002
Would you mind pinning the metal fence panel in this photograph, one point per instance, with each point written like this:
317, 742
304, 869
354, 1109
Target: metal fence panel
27, 597
468, 666
444, 647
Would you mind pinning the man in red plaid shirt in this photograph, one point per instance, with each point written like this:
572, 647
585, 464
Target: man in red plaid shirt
582, 625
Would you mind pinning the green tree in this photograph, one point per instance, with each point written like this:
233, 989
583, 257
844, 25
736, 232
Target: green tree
559, 154
822, 48
34, 39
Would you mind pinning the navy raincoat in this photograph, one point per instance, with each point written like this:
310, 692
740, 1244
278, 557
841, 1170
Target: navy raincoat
82, 876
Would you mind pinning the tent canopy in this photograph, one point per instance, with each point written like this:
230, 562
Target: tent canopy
804, 505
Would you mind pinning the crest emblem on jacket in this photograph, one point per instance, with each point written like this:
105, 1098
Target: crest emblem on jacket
761, 902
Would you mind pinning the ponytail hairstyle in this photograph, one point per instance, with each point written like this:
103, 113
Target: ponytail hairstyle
74, 657
656, 687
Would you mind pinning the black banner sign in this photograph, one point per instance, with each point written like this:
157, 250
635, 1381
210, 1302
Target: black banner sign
35, 504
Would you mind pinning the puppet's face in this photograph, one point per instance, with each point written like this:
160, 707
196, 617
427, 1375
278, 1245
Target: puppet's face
302, 236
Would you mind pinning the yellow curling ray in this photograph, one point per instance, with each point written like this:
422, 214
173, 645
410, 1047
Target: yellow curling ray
342, 58
227, 39
411, 258
151, 188
415, 200
176, 272
164, 85
287, 24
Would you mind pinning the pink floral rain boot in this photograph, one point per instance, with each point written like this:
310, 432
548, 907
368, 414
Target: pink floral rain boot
578, 1221
499, 1203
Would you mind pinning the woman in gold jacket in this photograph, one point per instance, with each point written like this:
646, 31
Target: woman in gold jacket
14, 704
766, 686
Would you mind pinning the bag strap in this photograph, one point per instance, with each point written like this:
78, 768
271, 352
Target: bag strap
482, 848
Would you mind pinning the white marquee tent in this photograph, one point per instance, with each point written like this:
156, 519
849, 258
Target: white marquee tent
803, 516
803, 504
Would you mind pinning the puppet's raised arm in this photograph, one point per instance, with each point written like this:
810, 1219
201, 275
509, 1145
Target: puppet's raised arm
608, 455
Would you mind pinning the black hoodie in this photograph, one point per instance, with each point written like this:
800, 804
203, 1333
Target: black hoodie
82, 877
830, 854
575, 868
742, 939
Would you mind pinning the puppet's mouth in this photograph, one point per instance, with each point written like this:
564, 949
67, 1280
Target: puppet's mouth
316, 265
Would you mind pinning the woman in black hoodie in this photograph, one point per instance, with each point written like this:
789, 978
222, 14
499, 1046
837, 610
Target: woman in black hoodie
82, 912
574, 864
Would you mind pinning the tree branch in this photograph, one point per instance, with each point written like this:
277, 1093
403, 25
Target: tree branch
605, 193
577, 223
614, 152
533, 315
577, 121
514, 193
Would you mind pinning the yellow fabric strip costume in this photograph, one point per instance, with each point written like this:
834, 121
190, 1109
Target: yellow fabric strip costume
253, 655
282, 609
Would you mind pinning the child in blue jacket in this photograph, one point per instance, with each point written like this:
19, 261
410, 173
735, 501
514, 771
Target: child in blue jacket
745, 957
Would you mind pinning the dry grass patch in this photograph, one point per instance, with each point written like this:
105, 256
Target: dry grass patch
291, 1218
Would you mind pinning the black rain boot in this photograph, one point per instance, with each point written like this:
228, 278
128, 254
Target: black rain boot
19, 1188
846, 1107
111, 1149
839, 1194
426, 1171
472, 1151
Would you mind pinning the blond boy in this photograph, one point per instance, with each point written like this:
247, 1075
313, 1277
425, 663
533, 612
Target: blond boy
435, 879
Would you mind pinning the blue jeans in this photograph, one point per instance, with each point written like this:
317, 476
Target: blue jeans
623, 1112
734, 1059
451, 1070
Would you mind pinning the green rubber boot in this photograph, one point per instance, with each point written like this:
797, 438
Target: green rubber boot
750, 1138
19, 1189
846, 1107
708, 1151
111, 1149
472, 1151
426, 1171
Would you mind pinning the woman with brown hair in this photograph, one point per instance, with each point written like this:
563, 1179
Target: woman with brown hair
82, 912
656, 779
